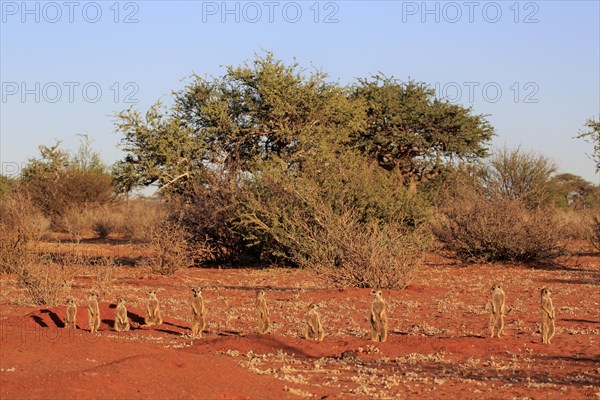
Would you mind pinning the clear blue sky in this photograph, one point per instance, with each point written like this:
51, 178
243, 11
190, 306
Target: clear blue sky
532, 66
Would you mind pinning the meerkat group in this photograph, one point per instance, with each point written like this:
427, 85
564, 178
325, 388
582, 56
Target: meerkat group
313, 329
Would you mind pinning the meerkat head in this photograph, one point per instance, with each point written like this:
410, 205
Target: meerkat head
122, 300
496, 286
546, 292
197, 291
376, 293
313, 306
260, 293
151, 293
70, 300
94, 295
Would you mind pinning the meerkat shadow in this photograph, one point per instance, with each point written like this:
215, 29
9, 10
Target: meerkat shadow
135, 318
276, 343
112, 306
58, 322
39, 320
168, 331
582, 321
229, 333
176, 326
109, 322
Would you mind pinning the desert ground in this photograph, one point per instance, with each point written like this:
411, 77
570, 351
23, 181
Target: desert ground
438, 344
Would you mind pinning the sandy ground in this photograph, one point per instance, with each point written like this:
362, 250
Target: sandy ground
438, 346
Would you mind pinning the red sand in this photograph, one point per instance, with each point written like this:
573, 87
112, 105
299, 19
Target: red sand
438, 345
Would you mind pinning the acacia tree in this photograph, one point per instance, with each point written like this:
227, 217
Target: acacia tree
256, 112
569, 190
411, 132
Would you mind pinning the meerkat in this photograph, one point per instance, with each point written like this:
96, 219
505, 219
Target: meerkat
198, 313
548, 316
379, 318
497, 311
153, 317
121, 320
93, 312
262, 312
313, 329
71, 314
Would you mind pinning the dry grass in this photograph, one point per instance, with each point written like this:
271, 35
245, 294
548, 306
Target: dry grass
136, 219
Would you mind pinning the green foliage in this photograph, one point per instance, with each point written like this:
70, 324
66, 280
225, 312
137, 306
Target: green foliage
412, 132
252, 113
347, 219
592, 135
58, 180
568, 190
273, 162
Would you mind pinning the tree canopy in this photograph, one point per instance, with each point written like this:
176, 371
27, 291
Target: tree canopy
414, 133
265, 110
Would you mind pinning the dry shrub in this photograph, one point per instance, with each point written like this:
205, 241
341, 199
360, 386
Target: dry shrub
107, 219
170, 249
21, 226
60, 180
595, 226
482, 229
103, 225
342, 230
209, 209
78, 221
371, 255
46, 282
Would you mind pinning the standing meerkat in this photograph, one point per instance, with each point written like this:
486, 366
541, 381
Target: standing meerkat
198, 313
313, 329
548, 316
153, 311
262, 312
71, 314
121, 320
497, 310
379, 318
93, 312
